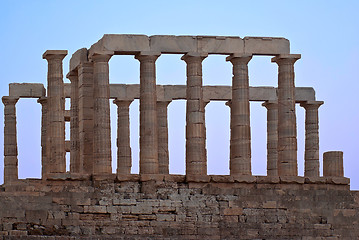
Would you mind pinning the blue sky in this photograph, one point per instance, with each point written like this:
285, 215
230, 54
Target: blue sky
326, 33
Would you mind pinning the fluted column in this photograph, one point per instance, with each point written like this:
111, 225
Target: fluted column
196, 162
56, 110
272, 137
287, 125
148, 113
163, 154
10, 140
311, 154
124, 160
240, 147
86, 117
75, 164
44, 143
102, 127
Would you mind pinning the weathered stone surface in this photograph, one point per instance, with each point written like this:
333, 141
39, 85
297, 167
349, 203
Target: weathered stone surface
25, 90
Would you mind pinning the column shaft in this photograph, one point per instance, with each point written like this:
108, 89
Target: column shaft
124, 160
44, 143
272, 137
56, 110
148, 113
311, 154
10, 140
75, 164
102, 127
163, 154
196, 162
240, 147
287, 126
86, 117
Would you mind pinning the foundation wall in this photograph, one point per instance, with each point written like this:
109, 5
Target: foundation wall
139, 208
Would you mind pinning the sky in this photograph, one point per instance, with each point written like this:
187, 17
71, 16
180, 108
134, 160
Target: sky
325, 33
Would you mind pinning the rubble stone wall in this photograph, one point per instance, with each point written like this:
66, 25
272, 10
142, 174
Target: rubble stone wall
176, 209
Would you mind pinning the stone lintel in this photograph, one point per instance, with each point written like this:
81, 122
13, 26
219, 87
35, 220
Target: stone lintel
54, 54
80, 56
27, 90
266, 45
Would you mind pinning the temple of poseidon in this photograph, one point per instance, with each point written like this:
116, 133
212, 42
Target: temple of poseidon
91, 202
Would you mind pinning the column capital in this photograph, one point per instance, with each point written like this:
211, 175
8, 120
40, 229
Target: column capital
72, 75
311, 104
165, 102
103, 56
122, 103
54, 54
194, 57
239, 58
270, 104
42, 100
286, 58
9, 100
228, 103
147, 56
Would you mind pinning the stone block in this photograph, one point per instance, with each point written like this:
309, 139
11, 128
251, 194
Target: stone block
121, 44
27, 90
220, 45
266, 46
173, 44
80, 56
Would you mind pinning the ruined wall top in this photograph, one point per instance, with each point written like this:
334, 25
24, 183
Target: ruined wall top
130, 44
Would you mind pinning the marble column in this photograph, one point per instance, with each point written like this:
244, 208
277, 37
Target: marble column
86, 117
102, 127
10, 140
311, 154
196, 162
148, 113
124, 159
75, 164
287, 125
163, 154
56, 110
240, 147
44, 144
272, 137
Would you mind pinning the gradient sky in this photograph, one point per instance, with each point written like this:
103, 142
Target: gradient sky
326, 33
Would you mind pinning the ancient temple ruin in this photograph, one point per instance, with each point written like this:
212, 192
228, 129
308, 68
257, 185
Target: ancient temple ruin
89, 200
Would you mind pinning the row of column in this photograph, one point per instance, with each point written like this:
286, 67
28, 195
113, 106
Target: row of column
90, 119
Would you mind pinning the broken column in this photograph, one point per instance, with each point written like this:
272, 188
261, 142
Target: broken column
287, 126
124, 160
44, 148
102, 127
311, 154
10, 140
86, 117
148, 113
163, 154
75, 164
56, 110
272, 137
333, 164
240, 146
196, 162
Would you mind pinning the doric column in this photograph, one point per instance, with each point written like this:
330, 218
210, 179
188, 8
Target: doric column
196, 162
86, 117
287, 125
240, 147
148, 113
44, 143
311, 154
75, 164
56, 109
272, 137
333, 164
163, 154
10, 140
124, 160
102, 127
